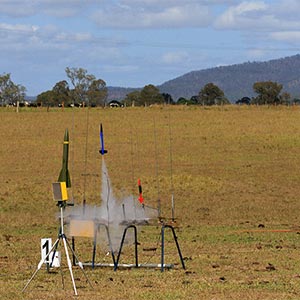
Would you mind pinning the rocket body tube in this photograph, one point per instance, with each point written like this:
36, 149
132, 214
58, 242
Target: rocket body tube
102, 150
64, 175
141, 199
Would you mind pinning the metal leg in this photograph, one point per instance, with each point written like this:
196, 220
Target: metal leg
162, 249
95, 244
40, 264
79, 263
69, 264
178, 248
73, 248
55, 245
55, 248
110, 246
121, 246
163, 246
94, 247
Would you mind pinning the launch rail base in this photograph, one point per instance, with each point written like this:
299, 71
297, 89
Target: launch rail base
116, 263
129, 266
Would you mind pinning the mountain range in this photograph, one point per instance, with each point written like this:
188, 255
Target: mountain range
235, 80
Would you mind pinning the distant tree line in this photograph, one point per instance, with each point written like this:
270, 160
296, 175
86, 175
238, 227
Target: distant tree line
86, 89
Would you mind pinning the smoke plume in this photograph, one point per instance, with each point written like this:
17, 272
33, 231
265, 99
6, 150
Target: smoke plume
114, 213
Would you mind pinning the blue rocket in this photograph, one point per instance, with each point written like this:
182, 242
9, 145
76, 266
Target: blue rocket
102, 151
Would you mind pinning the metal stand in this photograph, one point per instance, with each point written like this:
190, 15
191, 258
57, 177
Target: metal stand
163, 246
136, 264
61, 236
95, 244
162, 265
135, 246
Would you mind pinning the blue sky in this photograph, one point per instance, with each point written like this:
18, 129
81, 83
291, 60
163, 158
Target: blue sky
132, 43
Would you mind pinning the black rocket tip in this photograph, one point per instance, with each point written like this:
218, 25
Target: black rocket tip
66, 137
101, 129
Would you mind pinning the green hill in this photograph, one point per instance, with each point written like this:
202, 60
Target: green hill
237, 80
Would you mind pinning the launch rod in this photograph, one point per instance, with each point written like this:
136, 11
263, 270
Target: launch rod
85, 158
132, 169
171, 170
72, 153
124, 214
108, 194
156, 171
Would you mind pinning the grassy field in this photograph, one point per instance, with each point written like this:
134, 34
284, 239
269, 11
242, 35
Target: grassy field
235, 172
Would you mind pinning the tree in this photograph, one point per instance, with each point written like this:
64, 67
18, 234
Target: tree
167, 98
61, 93
150, 95
86, 87
4, 87
9, 91
97, 92
132, 98
182, 100
17, 92
46, 98
194, 100
268, 92
285, 98
81, 82
211, 94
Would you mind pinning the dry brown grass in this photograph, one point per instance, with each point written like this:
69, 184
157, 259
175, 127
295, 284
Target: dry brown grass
234, 168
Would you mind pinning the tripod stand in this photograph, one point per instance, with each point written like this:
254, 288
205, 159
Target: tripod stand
61, 237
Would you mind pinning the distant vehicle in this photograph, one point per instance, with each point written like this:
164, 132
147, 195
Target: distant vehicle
244, 100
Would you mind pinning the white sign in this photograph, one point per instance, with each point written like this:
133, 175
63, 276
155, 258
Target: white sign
56, 259
46, 245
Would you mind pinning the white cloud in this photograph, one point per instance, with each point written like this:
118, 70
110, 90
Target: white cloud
264, 24
120, 68
260, 16
74, 37
174, 57
254, 54
16, 8
58, 8
288, 9
168, 3
292, 37
131, 17
18, 28
244, 15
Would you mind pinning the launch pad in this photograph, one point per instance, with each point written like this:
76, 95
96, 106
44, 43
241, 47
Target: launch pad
116, 254
126, 222
85, 226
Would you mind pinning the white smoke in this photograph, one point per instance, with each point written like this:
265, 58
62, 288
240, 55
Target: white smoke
113, 213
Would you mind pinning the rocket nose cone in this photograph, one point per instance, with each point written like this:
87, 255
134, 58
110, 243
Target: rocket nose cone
66, 137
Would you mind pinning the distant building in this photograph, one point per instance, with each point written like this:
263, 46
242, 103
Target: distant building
115, 103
